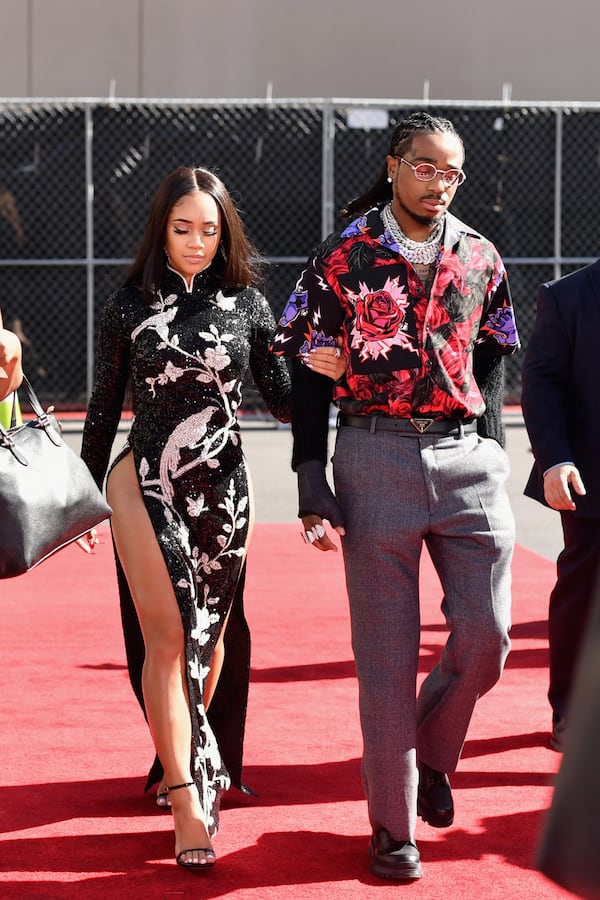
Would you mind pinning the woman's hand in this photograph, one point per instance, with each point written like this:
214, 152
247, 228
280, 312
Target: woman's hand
329, 361
88, 542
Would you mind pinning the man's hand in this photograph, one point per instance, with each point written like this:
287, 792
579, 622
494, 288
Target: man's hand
329, 361
558, 483
315, 494
315, 533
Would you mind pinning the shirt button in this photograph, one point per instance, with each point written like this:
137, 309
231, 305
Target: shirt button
429, 364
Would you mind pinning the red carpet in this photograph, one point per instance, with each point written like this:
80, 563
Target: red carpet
75, 747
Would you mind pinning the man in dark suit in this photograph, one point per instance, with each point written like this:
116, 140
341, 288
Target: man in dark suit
562, 414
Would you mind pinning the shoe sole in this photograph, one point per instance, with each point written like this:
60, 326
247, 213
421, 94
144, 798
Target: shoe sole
395, 872
408, 872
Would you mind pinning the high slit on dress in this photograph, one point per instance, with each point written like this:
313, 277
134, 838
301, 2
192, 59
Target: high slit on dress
187, 356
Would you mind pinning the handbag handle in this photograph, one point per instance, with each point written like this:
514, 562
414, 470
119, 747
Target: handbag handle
31, 396
42, 420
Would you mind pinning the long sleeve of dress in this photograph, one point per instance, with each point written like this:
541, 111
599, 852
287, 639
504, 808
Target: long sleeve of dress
270, 371
106, 402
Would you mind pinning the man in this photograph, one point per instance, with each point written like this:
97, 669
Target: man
423, 307
560, 407
11, 373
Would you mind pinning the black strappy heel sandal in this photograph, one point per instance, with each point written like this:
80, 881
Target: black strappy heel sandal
207, 863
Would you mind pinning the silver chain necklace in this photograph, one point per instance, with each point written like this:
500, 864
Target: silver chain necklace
419, 252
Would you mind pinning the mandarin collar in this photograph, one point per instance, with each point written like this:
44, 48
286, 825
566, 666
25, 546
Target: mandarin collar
204, 280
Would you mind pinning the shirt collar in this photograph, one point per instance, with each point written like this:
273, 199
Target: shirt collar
454, 229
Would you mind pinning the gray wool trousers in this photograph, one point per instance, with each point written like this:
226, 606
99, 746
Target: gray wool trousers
398, 493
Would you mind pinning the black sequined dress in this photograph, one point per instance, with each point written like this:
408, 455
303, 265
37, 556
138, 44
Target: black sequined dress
186, 356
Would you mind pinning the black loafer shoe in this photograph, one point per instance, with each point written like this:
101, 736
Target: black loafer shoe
398, 860
434, 800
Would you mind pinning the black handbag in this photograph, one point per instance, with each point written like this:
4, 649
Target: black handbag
48, 497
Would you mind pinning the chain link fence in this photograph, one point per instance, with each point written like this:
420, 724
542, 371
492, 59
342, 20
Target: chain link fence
77, 179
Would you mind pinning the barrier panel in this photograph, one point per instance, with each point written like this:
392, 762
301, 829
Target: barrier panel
77, 178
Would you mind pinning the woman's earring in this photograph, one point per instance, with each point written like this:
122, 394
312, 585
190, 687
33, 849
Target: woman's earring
389, 178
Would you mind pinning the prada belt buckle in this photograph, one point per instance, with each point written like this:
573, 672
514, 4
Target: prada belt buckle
421, 424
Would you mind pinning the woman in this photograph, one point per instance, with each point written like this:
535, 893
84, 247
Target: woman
184, 329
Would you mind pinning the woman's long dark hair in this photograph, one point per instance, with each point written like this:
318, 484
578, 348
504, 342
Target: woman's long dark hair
236, 264
381, 190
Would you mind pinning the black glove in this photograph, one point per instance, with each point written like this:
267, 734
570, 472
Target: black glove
315, 497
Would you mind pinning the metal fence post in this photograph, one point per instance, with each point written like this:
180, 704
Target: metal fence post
327, 181
558, 156
89, 246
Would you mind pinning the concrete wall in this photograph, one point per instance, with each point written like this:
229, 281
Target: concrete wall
318, 48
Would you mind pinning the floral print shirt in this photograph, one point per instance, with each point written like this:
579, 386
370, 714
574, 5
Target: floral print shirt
408, 354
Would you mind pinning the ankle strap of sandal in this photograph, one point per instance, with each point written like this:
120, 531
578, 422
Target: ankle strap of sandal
177, 786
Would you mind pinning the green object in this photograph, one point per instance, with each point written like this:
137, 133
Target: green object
6, 411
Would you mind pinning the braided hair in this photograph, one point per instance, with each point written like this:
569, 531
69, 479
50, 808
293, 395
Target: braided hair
381, 190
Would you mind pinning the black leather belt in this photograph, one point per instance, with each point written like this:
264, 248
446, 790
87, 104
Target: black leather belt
414, 426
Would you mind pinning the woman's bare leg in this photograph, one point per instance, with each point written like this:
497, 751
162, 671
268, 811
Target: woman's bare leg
163, 678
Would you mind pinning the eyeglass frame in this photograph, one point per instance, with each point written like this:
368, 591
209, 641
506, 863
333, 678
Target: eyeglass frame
443, 172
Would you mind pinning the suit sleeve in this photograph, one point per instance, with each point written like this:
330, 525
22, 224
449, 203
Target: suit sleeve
545, 379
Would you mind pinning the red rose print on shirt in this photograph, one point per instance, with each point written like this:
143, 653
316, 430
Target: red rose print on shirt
378, 316
378, 319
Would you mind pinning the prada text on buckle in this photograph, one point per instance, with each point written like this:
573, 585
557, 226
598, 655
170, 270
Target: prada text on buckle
421, 424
